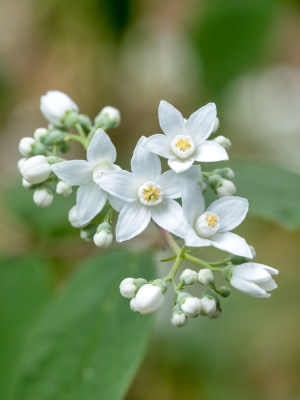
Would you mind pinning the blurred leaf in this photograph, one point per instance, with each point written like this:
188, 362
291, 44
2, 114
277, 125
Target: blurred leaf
50, 221
229, 38
88, 344
24, 292
273, 192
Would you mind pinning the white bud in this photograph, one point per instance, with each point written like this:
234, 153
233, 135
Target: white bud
128, 288
36, 169
133, 305
191, 306
179, 319
149, 298
85, 236
21, 162
40, 133
215, 315
217, 124
73, 219
188, 277
205, 276
226, 188
54, 105
103, 239
223, 141
26, 184
208, 306
229, 174
25, 146
63, 189
43, 197
109, 117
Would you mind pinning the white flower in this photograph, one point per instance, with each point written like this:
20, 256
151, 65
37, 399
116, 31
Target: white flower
54, 105
211, 227
185, 141
208, 306
188, 277
91, 198
36, 169
205, 276
128, 288
149, 299
103, 239
225, 188
223, 141
254, 279
179, 319
63, 189
25, 146
148, 194
191, 306
43, 197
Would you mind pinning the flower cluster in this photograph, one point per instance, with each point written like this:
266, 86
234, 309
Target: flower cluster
172, 199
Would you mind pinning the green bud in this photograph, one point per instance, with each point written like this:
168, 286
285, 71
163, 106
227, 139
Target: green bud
64, 147
140, 282
109, 117
226, 173
224, 291
70, 119
85, 122
54, 137
227, 272
105, 226
53, 160
38, 149
162, 284
181, 297
176, 309
215, 180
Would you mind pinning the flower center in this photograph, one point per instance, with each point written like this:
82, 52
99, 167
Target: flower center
207, 224
183, 146
101, 168
150, 194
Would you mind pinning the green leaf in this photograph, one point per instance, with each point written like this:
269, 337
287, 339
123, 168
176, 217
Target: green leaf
273, 192
24, 292
88, 344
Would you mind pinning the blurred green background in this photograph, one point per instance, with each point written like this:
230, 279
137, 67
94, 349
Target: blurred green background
242, 55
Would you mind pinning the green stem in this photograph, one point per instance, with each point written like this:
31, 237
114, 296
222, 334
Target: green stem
171, 275
196, 261
76, 138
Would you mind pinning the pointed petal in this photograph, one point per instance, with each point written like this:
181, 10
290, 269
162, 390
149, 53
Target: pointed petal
180, 165
120, 184
201, 123
192, 202
251, 272
170, 119
145, 165
231, 210
193, 240
159, 144
248, 288
101, 148
209, 151
90, 200
192, 174
116, 203
228, 241
133, 219
168, 215
75, 172
171, 184
268, 285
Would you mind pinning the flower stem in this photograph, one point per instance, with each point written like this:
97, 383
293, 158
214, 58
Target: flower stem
196, 261
171, 275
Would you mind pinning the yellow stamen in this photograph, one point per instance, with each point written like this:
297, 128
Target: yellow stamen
212, 220
183, 145
151, 194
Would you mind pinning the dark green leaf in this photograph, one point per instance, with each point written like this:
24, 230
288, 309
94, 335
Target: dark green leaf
89, 343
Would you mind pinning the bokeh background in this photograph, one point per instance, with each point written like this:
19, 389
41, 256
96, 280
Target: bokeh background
242, 55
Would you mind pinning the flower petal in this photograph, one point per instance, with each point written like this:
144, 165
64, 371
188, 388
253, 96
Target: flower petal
180, 165
231, 210
268, 285
90, 200
228, 241
145, 165
75, 172
251, 272
171, 120
168, 215
116, 203
209, 151
201, 123
193, 240
193, 174
101, 148
192, 202
248, 288
120, 184
171, 184
159, 144
133, 219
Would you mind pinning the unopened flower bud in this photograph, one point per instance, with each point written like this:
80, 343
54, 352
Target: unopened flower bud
208, 305
54, 137
73, 219
70, 119
63, 189
217, 124
215, 315
224, 291
55, 104
36, 169
128, 288
178, 318
202, 184
215, 180
109, 117
205, 276
87, 233
26, 184
40, 133
149, 298
223, 141
85, 122
189, 305
103, 239
43, 197
26, 146
21, 162
226, 173
188, 277
225, 188
133, 305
